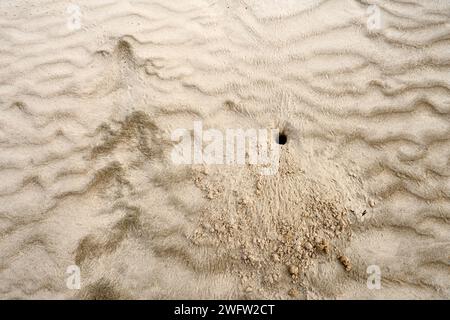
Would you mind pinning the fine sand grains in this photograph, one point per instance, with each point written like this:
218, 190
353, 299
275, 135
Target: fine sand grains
273, 228
91, 92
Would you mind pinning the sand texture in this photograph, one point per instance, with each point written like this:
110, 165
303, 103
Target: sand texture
88, 104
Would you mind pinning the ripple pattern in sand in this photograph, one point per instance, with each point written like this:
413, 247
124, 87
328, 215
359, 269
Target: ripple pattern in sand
86, 116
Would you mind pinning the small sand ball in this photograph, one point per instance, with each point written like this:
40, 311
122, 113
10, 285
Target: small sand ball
324, 246
293, 293
345, 262
293, 270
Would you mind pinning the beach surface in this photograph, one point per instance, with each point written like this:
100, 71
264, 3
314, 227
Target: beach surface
92, 91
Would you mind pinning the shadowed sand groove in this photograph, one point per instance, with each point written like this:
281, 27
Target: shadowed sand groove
86, 177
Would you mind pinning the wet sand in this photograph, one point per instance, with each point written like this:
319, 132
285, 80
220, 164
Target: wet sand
89, 97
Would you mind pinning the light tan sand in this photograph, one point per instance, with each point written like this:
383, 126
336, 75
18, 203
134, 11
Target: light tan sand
85, 139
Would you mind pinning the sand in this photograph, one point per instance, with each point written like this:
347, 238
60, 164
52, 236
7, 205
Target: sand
91, 91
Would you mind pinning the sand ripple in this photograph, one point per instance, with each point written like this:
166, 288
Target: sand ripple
85, 123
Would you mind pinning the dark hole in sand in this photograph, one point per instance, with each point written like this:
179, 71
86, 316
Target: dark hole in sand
282, 138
